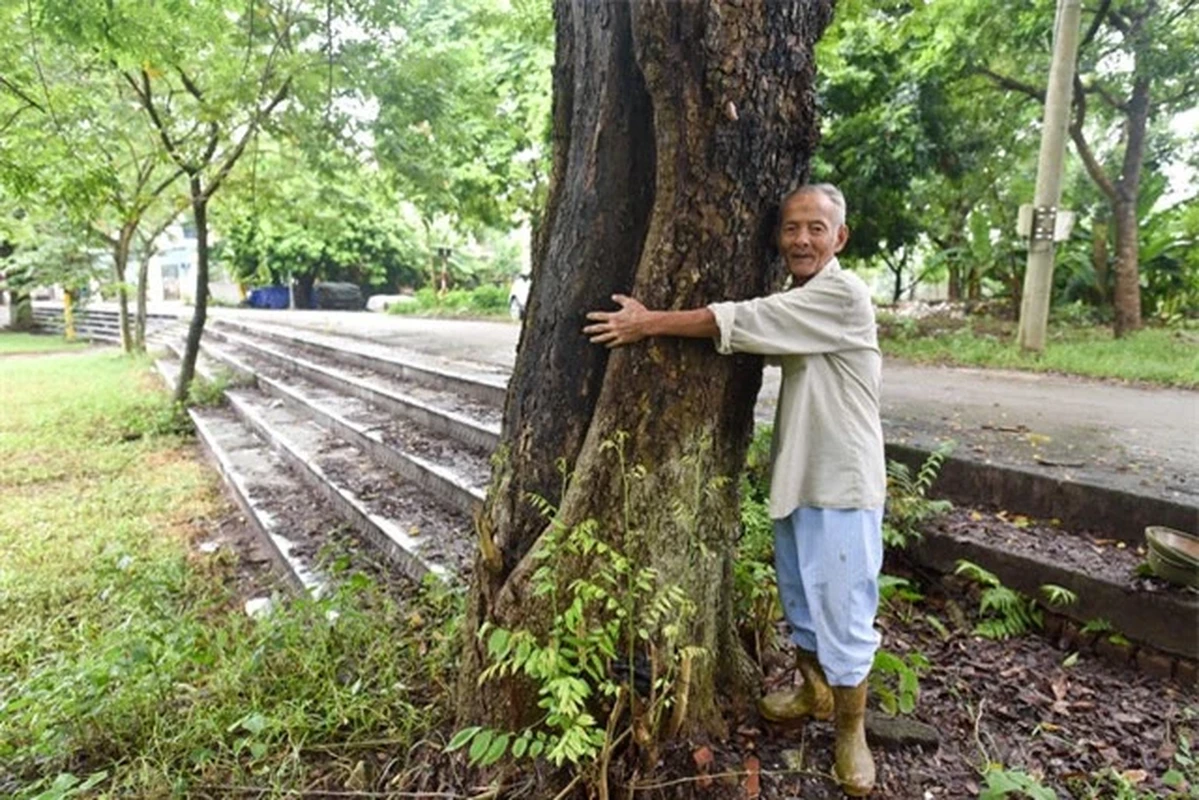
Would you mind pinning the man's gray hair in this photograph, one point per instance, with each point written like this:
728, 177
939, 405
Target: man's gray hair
827, 189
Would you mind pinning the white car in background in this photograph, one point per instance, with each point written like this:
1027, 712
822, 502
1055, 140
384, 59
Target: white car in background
518, 295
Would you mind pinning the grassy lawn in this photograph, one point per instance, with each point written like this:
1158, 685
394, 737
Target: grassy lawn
12, 342
482, 302
126, 659
1169, 357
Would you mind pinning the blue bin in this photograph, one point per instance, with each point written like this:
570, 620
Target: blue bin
269, 297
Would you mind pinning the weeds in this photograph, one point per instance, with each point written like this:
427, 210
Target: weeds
1004, 612
1180, 782
482, 301
755, 584
210, 392
1104, 629
908, 504
615, 634
895, 680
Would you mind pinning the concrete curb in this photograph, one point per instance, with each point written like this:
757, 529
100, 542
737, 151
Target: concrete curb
1083, 506
1166, 621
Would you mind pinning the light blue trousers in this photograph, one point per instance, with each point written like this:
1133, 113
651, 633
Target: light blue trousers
828, 561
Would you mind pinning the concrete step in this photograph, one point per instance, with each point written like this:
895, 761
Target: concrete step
481, 382
397, 517
276, 504
355, 400
455, 474
440, 411
96, 325
419, 524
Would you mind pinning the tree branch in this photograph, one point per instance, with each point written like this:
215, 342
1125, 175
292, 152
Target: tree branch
1107, 96
189, 84
1184, 93
12, 118
214, 139
162, 187
99, 234
1096, 21
1004, 82
1187, 6
1094, 168
145, 96
1120, 22
240, 148
16, 90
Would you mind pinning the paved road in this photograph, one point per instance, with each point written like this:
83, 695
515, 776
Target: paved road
1145, 441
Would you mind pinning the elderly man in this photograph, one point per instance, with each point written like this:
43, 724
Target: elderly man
828, 481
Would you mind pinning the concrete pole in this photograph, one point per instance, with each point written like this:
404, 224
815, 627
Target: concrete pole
1038, 277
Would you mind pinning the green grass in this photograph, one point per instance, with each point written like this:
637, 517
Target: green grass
125, 655
12, 342
1154, 355
482, 302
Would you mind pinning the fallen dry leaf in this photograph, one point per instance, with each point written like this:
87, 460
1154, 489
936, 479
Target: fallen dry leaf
703, 761
753, 780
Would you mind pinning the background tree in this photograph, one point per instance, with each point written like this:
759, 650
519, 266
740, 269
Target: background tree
1134, 67
83, 145
676, 129
906, 138
463, 106
203, 106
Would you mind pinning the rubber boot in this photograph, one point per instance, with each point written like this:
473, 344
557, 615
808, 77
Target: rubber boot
812, 699
854, 764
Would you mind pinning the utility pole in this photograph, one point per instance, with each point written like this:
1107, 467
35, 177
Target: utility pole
1038, 277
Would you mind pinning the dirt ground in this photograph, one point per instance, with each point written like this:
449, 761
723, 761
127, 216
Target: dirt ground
1021, 703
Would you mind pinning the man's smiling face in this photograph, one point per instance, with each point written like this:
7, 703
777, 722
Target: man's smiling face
810, 234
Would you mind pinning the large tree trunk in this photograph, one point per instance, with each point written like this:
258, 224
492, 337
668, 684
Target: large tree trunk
20, 311
897, 271
677, 126
200, 312
20, 315
954, 289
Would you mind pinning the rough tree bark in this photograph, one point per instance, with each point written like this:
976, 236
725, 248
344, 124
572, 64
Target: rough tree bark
677, 126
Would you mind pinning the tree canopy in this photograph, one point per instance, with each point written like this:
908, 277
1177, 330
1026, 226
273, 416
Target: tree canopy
353, 140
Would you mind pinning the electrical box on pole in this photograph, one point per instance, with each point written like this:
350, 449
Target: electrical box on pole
1044, 215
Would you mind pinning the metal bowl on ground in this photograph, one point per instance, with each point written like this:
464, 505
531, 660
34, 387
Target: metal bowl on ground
1173, 555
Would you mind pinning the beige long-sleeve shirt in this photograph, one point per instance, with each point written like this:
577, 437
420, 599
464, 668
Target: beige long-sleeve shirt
828, 439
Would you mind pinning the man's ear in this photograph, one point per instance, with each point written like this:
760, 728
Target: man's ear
842, 238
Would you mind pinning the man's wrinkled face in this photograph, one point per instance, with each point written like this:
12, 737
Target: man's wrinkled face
809, 235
